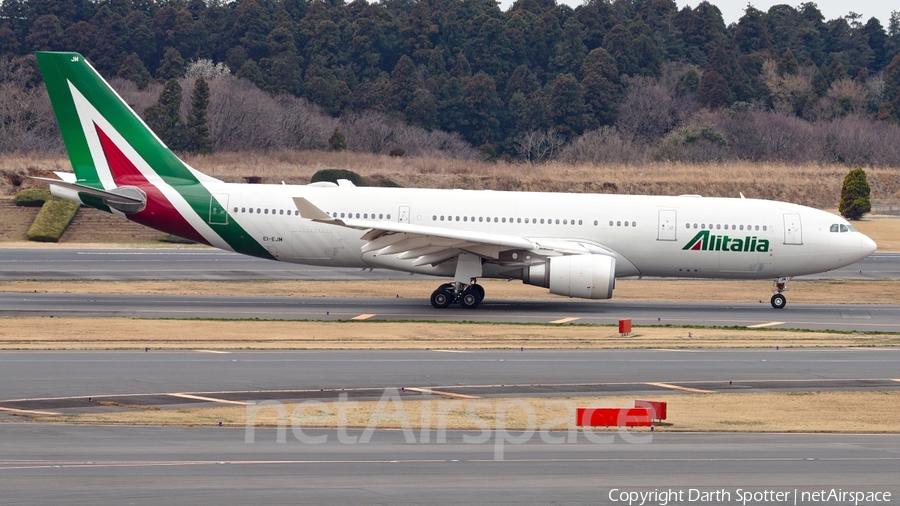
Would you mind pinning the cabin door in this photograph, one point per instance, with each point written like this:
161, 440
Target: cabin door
667, 228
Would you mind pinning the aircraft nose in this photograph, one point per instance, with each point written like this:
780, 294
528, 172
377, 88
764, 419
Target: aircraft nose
866, 246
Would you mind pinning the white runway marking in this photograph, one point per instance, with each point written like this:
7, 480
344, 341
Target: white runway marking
565, 320
362, 317
211, 351
452, 351
209, 399
761, 325
429, 391
29, 412
684, 389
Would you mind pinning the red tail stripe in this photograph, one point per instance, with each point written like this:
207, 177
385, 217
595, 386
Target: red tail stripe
159, 213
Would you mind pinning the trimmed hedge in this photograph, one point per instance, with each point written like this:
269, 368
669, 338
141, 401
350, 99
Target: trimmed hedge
333, 175
32, 197
52, 221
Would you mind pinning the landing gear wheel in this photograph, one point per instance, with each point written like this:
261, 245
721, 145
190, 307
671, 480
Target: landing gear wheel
480, 290
443, 296
470, 298
778, 301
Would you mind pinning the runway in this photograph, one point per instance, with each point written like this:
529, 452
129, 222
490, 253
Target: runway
47, 464
211, 264
64, 380
856, 317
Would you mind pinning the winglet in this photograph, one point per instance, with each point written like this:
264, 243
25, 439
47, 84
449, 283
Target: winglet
311, 212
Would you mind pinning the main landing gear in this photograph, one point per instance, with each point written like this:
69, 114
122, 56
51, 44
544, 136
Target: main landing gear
779, 300
468, 296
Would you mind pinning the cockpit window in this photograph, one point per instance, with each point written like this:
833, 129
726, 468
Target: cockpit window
852, 229
844, 228
835, 227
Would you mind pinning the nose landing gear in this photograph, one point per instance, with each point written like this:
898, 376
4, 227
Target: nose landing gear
778, 300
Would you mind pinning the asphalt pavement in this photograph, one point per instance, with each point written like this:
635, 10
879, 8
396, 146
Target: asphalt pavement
211, 264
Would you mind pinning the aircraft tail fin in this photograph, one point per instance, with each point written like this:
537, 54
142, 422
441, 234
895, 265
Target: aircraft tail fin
106, 140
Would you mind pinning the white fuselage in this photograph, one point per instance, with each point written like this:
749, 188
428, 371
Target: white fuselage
686, 236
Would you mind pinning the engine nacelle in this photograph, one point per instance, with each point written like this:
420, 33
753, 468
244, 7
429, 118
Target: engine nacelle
584, 276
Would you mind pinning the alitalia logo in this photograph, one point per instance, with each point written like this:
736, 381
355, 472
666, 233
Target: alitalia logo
704, 241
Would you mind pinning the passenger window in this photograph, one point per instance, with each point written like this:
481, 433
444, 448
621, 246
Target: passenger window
480, 219
504, 220
258, 210
618, 223
764, 228
687, 225
742, 227
495, 219
380, 216
267, 211
695, 226
633, 223
595, 223
703, 226
565, 222
518, 220
297, 212
389, 216
243, 209
526, 220
610, 223
280, 211
579, 222
557, 221
626, 223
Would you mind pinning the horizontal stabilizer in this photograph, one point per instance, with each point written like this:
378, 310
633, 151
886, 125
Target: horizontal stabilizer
125, 199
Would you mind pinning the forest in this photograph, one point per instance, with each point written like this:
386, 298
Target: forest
618, 81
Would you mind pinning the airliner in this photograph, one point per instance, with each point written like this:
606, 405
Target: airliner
575, 245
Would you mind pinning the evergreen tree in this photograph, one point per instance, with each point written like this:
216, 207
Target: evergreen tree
788, 64
199, 140
9, 44
601, 87
714, 92
337, 141
482, 107
566, 106
855, 195
46, 34
165, 119
171, 66
134, 70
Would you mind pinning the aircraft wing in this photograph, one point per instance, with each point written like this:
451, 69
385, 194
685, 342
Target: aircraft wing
432, 245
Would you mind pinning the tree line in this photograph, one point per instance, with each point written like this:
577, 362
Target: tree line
632, 79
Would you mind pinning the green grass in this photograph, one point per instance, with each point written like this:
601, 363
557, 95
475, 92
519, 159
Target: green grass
53, 219
32, 197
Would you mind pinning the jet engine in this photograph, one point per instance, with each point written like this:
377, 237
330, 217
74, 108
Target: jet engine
583, 276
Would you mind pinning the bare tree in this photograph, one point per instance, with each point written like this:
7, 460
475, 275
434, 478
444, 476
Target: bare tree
604, 145
539, 146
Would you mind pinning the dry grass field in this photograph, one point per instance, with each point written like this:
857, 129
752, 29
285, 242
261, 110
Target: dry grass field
848, 412
810, 184
50, 333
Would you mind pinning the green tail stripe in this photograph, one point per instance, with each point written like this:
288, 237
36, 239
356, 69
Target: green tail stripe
58, 70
